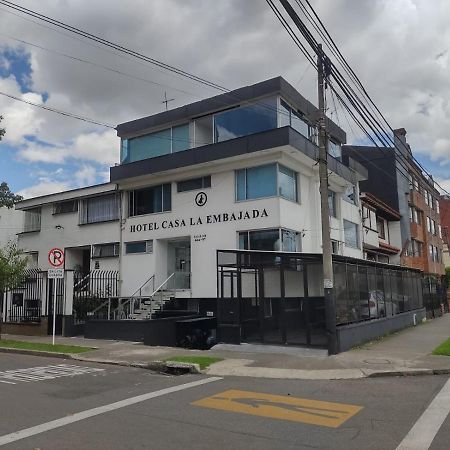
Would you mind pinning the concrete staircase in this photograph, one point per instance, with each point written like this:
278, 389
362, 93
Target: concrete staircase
150, 306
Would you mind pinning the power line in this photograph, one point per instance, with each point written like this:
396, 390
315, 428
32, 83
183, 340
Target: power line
58, 111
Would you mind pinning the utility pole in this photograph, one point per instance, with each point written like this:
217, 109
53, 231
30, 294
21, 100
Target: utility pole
330, 309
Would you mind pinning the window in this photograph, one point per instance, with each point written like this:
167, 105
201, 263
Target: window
261, 181
105, 250
288, 241
433, 227
287, 183
381, 228
425, 193
437, 207
411, 210
194, 183
440, 231
170, 140
350, 194
335, 245
416, 248
150, 200
351, 237
268, 240
99, 209
334, 149
428, 224
32, 221
65, 207
139, 247
245, 120
288, 116
332, 203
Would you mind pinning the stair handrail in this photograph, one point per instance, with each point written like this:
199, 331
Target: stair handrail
100, 306
133, 296
165, 281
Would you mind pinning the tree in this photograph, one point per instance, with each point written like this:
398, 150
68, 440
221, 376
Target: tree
8, 198
2, 130
12, 268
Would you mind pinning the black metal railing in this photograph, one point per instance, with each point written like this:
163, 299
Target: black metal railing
91, 290
25, 300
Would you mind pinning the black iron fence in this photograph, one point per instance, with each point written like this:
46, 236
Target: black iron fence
365, 291
435, 295
91, 290
25, 300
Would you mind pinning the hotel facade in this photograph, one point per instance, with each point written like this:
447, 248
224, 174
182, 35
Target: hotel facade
237, 172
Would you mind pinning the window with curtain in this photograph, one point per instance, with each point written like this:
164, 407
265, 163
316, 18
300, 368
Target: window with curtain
105, 250
150, 200
99, 209
32, 221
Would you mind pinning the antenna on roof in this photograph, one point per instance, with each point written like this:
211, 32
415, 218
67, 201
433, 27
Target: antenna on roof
167, 100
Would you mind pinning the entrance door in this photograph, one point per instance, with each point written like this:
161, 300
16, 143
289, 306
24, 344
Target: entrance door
179, 263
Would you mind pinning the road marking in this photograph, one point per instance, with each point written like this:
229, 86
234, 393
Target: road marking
44, 373
427, 426
38, 429
304, 410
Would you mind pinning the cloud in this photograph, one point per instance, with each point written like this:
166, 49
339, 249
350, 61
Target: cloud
403, 64
43, 188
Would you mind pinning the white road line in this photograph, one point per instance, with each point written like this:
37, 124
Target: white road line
27, 432
425, 429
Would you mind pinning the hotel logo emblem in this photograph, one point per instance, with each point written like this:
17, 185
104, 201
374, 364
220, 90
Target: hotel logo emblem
200, 199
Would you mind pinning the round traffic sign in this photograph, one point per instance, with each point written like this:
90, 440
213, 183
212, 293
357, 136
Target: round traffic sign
56, 257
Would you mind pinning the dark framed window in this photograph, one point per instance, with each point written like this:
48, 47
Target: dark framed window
275, 239
351, 234
99, 209
350, 194
105, 250
68, 206
150, 200
380, 228
194, 184
138, 247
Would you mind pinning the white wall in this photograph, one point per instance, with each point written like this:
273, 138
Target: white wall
11, 223
62, 230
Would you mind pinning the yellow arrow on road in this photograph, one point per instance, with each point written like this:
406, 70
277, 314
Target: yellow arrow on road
314, 412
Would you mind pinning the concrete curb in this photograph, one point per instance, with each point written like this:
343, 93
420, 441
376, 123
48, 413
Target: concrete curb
179, 368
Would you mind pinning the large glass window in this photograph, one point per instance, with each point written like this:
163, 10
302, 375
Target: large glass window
245, 120
170, 140
150, 200
256, 182
288, 116
351, 234
261, 181
99, 209
268, 240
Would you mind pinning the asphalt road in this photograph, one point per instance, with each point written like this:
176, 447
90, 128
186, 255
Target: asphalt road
59, 405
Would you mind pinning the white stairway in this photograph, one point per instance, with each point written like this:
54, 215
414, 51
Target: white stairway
151, 305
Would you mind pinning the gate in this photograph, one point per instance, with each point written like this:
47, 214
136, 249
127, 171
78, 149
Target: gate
59, 285
24, 303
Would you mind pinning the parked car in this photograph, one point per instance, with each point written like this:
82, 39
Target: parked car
376, 306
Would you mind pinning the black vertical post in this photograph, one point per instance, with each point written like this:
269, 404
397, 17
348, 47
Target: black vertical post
261, 296
283, 304
307, 304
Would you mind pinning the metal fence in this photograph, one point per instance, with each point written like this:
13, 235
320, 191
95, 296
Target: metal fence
366, 291
91, 290
25, 301
435, 295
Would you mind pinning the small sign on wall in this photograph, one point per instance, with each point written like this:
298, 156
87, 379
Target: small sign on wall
199, 237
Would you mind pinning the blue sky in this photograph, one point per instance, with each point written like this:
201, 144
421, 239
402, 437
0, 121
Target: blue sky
43, 152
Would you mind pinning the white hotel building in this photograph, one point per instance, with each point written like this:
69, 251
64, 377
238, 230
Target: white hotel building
236, 171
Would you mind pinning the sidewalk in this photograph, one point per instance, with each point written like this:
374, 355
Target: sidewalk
407, 352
